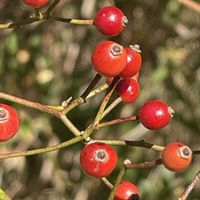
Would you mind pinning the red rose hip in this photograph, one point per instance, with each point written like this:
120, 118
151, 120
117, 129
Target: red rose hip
98, 159
109, 58
155, 114
9, 122
128, 89
36, 3
110, 21
176, 156
134, 61
127, 191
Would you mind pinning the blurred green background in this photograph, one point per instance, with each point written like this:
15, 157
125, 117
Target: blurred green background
50, 62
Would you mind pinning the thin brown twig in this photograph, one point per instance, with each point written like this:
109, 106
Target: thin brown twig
52, 6
191, 4
42, 108
116, 121
82, 99
190, 187
196, 152
93, 83
147, 164
29, 104
11, 25
144, 144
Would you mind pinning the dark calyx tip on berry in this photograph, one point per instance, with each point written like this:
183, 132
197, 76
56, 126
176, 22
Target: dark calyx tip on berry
185, 152
134, 197
101, 156
136, 48
3, 114
116, 49
124, 21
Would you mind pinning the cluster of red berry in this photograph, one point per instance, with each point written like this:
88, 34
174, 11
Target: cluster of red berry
111, 59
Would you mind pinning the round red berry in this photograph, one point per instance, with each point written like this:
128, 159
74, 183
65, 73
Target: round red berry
134, 61
110, 21
98, 159
109, 58
36, 3
127, 191
9, 122
176, 156
128, 89
155, 114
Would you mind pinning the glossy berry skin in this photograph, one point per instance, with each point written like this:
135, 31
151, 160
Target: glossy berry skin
128, 89
127, 191
155, 114
36, 3
134, 62
109, 58
176, 156
98, 159
9, 122
110, 21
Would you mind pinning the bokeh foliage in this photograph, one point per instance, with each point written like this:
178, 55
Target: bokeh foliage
50, 62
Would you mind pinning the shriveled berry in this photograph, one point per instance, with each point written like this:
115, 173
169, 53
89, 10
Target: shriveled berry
109, 58
134, 61
9, 122
110, 21
155, 114
176, 156
36, 3
98, 159
127, 191
128, 89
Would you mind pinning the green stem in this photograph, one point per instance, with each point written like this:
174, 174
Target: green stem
80, 100
42, 150
140, 143
117, 182
105, 101
111, 107
97, 90
3, 195
107, 183
70, 125
83, 97
71, 21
